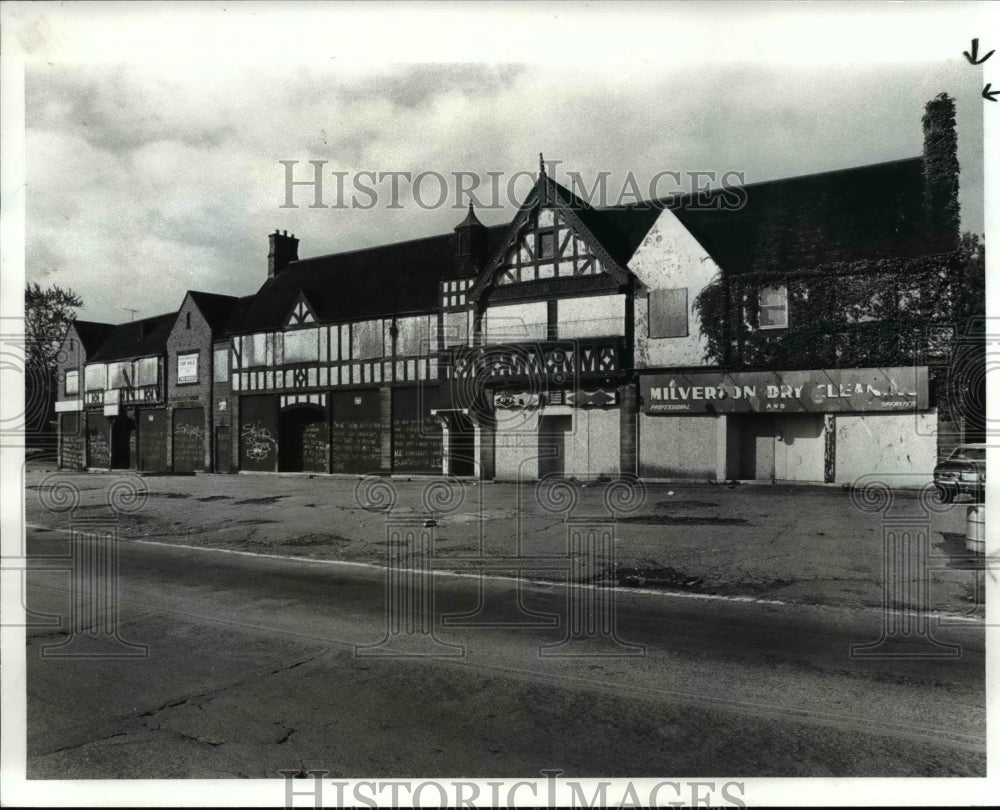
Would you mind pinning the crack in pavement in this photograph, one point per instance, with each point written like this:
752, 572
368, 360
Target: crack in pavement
212, 694
88, 742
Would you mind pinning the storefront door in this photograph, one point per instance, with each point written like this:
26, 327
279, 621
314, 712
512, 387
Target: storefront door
757, 447
553, 432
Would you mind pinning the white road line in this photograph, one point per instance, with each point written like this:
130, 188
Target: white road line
940, 614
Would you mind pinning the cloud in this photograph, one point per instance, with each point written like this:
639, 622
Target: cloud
145, 181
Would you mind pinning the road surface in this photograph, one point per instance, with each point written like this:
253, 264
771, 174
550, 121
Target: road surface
253, 666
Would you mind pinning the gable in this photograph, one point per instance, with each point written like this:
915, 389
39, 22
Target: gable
547, 246
549, 241
302, 312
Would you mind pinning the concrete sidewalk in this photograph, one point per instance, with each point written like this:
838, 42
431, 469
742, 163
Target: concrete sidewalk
798, 544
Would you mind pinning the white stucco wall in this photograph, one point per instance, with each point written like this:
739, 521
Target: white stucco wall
594, 447
900, 448
593, 444
516, 445
800, 452
670, 258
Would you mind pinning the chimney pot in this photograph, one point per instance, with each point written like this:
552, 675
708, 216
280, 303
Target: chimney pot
284, 250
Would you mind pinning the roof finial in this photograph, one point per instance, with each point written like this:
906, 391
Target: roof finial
541, 164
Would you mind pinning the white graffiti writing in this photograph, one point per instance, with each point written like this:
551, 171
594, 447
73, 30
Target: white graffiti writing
258, 441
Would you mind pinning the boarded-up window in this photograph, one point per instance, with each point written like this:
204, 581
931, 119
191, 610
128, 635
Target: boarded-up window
95, 377
668, 313
514, 323
220, 364
302, 345
366, 340
456, 329
72, 382
147, 371
254, 350
413, 336
596, 316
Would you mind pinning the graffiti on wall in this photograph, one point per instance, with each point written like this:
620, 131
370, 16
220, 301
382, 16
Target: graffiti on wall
258, 441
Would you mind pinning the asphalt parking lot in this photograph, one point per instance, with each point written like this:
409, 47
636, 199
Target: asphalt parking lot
798, 544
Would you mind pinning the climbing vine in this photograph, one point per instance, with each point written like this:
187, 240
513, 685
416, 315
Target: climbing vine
880, 312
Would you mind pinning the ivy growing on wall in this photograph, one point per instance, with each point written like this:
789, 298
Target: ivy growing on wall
844, 314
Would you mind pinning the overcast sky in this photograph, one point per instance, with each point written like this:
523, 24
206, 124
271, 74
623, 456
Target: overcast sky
154, 134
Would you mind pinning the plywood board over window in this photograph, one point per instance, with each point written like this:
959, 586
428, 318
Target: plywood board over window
668, 313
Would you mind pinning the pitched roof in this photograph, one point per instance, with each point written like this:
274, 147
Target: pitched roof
851, 214
92, 333
239, 310
136, 339
368, 283
216, 308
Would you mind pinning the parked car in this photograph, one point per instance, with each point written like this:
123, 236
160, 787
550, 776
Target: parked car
963, 471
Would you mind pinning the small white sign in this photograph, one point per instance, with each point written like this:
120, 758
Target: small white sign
187, 368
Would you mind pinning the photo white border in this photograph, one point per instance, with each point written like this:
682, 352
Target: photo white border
824, 33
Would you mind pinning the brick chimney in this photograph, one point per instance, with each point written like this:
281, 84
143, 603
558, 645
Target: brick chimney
941, 209
284, 251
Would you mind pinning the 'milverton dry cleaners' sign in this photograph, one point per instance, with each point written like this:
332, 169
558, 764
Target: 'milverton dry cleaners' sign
899, 388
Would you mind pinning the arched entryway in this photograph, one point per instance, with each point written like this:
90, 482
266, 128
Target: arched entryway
303, 439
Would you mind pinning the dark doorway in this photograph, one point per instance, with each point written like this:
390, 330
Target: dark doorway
757, 447
552, 433
223, 449
461, 445
303, 440
122, 443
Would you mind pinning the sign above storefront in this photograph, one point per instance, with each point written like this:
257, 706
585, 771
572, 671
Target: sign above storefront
899, 388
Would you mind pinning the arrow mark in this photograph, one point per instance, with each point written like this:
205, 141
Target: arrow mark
988, 94
973, 59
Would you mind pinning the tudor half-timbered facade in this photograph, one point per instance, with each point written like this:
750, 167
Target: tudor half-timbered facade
690, 337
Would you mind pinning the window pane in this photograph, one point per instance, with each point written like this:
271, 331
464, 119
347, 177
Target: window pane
546, 245
773, 306
772, 296
72, 382
118, 374
772, 316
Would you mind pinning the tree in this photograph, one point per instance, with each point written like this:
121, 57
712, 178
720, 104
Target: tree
48, 314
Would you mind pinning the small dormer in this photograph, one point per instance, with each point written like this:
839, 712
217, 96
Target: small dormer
470, 243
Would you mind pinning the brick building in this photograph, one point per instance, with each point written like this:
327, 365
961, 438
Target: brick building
781, 331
